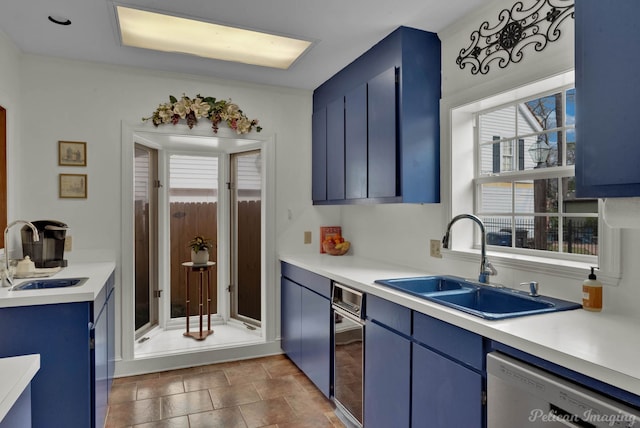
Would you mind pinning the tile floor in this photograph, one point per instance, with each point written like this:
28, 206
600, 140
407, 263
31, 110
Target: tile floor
263, 392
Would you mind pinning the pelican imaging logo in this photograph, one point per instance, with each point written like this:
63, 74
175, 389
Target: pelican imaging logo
589, 416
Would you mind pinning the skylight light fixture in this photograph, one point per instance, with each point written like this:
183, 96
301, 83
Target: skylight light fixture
152, 30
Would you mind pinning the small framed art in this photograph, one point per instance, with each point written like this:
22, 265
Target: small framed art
72, 153
73, 186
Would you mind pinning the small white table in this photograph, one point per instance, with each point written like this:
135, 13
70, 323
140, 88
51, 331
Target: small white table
202, 270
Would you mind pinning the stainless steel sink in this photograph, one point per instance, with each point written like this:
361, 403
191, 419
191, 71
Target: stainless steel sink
478, 299
43, 284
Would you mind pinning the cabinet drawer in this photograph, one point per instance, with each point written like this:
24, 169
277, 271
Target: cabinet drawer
310, 280
389, 314
456, 342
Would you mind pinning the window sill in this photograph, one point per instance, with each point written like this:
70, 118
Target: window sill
540, 265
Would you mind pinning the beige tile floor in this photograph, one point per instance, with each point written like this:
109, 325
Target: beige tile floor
264, 392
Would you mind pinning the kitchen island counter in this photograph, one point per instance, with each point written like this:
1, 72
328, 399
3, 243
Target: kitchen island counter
16, 374
96, 272
598, 345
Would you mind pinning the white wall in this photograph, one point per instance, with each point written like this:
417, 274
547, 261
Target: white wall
10, 100
87, 102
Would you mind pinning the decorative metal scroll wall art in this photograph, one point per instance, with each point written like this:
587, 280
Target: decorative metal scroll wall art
516, 29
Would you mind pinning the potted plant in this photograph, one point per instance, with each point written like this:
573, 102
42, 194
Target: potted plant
200, 247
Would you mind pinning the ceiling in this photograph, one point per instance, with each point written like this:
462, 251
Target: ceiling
340, 29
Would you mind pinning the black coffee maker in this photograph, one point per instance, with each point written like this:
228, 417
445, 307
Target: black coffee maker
48, 252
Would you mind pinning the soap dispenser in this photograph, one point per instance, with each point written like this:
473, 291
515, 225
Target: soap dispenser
592, 293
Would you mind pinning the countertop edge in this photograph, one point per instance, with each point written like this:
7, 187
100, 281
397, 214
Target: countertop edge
578, 340
16, 374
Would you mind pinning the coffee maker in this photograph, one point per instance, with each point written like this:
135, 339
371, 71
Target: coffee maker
48, 251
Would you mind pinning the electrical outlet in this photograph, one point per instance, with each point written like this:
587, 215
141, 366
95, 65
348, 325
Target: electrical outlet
434, 249
67, 243
307, 237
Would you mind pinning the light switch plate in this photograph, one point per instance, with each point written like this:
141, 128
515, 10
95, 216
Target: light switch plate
307, 237
67, 243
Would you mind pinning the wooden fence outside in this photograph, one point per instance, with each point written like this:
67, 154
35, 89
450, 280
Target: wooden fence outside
191, 219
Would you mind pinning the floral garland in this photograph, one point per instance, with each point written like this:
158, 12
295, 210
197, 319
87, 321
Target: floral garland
203, 107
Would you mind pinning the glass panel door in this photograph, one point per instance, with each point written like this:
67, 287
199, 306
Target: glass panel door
246, 236
193, 211
145, 229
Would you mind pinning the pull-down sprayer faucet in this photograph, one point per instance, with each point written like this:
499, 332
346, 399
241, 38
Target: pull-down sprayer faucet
486, 268
36, 237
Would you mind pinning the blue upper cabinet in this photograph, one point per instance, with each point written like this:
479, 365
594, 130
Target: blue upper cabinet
607, 98
390, 134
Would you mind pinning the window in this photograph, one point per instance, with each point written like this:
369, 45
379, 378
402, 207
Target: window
524, 181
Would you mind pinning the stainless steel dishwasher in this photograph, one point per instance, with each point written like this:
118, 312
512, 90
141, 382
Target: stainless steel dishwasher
521, 395
348, 335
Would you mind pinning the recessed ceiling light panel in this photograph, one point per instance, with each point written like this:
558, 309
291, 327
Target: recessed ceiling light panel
167, 33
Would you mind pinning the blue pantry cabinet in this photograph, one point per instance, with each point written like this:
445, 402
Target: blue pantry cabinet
376, 126
306, 323
76, 347
607, 98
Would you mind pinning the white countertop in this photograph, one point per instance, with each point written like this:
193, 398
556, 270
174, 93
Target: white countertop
601, 345
16, 374
97, 273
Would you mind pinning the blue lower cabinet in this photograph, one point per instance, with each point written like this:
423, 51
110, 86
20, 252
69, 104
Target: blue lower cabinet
306, 324
444, 393
61, 392
73, 340
387, 378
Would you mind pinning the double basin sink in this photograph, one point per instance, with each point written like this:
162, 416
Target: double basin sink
477, 299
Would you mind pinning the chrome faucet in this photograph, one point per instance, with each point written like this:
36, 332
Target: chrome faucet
486, 268
36, 237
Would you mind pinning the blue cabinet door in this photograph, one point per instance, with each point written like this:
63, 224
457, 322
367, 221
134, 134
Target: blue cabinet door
315, 339
607, 94
387, 380
290, 319
111, 335
335, 150
100, 359
61, 391
319, 155
382, 168
444, 393
355, 130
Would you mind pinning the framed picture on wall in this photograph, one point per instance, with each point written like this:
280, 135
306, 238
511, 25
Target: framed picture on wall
72, 153
73, 186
